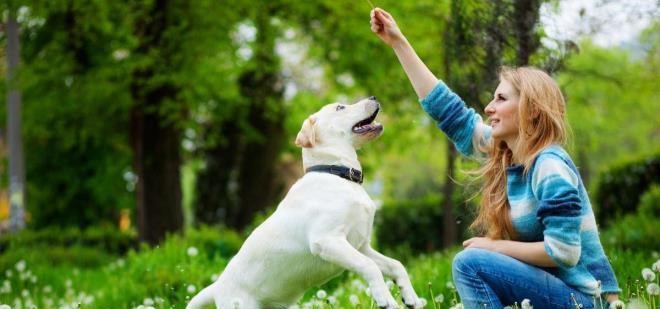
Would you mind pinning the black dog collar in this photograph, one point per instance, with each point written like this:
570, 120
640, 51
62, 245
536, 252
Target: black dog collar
341, 171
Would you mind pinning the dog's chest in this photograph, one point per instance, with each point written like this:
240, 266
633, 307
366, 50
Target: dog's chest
361, 221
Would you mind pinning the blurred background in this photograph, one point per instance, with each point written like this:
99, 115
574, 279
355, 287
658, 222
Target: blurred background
126, 123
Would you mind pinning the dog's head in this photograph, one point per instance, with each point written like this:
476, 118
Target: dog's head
340, 124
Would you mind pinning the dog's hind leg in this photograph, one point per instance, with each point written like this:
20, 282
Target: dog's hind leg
204, 297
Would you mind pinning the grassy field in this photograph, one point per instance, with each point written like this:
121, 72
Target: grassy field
168, 275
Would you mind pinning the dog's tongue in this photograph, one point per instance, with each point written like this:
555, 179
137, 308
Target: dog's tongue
364, 128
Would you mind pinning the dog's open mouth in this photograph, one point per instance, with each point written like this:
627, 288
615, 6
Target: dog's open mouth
368, 125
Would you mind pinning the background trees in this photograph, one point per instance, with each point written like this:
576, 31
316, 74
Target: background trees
168, 109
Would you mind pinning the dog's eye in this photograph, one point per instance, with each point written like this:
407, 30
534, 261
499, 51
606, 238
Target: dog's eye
340, 107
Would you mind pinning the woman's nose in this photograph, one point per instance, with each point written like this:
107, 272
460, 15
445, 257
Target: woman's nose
489, 110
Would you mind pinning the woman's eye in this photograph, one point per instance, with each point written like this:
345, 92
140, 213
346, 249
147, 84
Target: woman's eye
340, 107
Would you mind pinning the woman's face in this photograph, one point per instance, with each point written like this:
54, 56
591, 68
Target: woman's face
502, 112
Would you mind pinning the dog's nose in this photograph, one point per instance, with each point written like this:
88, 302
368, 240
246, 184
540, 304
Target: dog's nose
372, 98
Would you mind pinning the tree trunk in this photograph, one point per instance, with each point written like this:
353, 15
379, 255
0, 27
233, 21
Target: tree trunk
16, 165
525, 16
217, 197
155, 140
449, 234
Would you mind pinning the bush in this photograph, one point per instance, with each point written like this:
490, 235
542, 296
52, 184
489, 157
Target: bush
649, 203
415, 226
633, 232
620, 188
107, 239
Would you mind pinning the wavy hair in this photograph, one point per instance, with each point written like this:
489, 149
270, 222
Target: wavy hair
542, 122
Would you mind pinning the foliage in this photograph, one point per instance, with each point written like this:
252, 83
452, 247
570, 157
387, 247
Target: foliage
167, 276
633, 232
621, 187
108, 240
412, 226
649, 203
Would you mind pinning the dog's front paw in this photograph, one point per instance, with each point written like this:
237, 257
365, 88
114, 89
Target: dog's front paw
415, 303
387, 303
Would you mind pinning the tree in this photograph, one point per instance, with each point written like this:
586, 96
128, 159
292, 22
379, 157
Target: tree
16, 165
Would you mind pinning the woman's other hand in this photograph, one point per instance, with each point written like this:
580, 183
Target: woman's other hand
480, 242
383, 25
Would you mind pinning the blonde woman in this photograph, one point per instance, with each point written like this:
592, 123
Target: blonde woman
541, 241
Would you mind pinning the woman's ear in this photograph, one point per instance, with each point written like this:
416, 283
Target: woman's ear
307, 136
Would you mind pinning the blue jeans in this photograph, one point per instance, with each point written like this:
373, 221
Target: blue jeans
486, 279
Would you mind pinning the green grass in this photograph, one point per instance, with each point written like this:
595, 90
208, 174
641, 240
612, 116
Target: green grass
167, 276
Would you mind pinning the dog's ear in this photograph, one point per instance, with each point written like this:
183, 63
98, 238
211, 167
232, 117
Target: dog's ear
307, 136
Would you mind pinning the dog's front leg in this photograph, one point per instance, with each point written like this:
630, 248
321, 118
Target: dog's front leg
337, 250
393, 268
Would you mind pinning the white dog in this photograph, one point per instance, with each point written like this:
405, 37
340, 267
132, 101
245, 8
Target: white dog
322, 226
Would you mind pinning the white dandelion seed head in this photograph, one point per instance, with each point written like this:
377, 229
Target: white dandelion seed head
423, 302
656, 266
25, 293
192, 251
450, 285
148, 302
354, 299
653, 289
4, 306
525, 304
617, 304
439, 299
332, 300
648, 274
321, 294
20, 266
191, 288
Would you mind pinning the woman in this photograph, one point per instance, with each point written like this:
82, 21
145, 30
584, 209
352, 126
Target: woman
541, 238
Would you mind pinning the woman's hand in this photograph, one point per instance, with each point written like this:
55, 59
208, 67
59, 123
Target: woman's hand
480, 242
385, 27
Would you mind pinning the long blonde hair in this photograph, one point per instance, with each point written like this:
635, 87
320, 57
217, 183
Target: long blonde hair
542, 122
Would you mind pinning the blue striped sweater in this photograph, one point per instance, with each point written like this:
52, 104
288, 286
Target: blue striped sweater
548, 204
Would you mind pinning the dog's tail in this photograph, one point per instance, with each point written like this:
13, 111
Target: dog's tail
204, 297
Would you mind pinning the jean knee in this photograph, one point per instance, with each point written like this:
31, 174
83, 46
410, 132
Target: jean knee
469, 260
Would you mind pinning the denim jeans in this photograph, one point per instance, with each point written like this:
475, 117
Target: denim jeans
486, 279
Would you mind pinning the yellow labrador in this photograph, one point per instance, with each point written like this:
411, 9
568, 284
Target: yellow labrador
322, 227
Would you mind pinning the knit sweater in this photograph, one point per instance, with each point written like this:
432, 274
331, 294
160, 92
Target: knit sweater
549, 203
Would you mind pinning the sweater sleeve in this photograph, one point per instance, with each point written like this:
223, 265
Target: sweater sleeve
463, 126
555, 186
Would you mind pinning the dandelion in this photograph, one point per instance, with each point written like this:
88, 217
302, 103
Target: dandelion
148, 302
617, 304
653, 289
423, 301
215, 277
656, 266
192, 251
439, 299
648, 274
191, 288
525, 304
4, 306
332, 300
321, 294
25, 293
20, 266
354, 299
450, 285
120, 54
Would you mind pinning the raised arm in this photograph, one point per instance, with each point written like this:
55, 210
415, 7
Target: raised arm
418, 73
